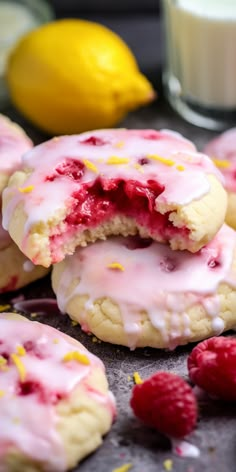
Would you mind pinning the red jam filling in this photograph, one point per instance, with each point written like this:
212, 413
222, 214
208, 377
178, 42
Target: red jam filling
98, 201
33, 387
94, 141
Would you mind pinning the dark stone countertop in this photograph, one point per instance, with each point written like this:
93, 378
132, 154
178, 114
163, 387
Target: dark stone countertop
130, 441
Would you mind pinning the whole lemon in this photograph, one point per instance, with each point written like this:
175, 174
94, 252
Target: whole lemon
72, 75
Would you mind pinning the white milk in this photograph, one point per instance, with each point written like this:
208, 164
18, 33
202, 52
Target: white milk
202, 50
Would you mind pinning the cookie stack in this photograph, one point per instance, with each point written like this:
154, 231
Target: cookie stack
18, 270
132, 222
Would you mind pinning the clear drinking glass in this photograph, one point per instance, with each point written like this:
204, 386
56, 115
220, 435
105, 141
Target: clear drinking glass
17, 17
200, 71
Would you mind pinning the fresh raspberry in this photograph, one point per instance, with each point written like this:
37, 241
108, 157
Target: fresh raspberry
212, 366
166, 402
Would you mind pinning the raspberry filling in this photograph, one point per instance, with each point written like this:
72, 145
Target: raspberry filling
99, 201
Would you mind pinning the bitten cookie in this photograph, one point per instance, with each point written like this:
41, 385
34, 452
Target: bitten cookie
223, 152
55, 405
77, 189
141, 293
16, 270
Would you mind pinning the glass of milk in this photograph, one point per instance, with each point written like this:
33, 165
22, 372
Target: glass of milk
17, 17
200, 71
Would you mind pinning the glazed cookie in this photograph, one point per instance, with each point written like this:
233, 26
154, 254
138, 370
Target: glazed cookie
13, 144
17, 271
77, 189
55, 405
141, 293
223, 152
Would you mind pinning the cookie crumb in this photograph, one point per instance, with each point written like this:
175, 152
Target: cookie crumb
74, 323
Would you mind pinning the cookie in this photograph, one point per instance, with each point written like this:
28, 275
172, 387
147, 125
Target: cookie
141, 293
223, 152
13, 144
18, 270
55, 405
77, 189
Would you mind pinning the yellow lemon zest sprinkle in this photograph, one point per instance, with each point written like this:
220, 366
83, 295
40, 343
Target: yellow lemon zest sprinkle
137, 378
119, 144
3, 361
168, 464
129, 378
4, 307
163, 160
76, 356
26, 189
123, 468
16, 420
20, 350
94, 339
2, 393
20, 366
116, 265
139, 167
114, 160
33, 315
221, 163
55, 341
90, 166
74, 323
180, 167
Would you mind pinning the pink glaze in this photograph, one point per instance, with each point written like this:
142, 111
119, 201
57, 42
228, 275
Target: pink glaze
154, 278
13, 144
27, 407
61, 178
224, 148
